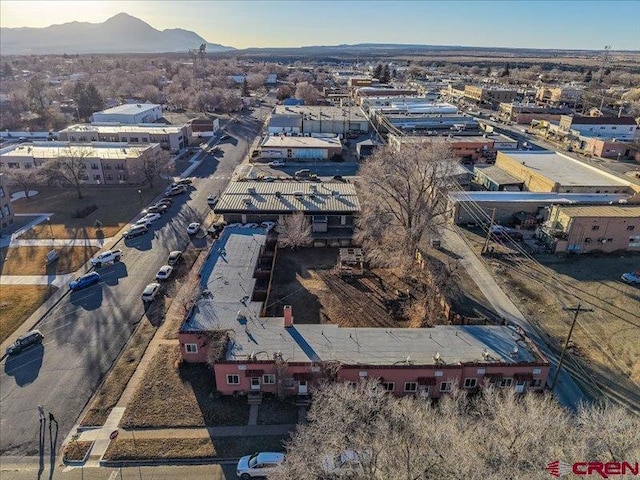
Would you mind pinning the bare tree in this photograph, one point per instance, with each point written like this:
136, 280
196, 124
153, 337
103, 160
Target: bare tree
24, 179
154, 165
403, 197
294, 231
501, 434
307, 92
69, 168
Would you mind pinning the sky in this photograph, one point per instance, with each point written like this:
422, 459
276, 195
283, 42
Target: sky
572, 24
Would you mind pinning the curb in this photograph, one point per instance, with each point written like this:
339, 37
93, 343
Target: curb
78, 463
168, 461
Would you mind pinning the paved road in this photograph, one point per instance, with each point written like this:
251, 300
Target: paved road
86, 330
322, 169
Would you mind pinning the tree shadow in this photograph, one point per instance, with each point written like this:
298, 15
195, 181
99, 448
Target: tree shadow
155, 311
89, 298
112, 274
25, 367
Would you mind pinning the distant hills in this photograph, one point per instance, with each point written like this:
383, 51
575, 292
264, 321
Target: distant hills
119, 34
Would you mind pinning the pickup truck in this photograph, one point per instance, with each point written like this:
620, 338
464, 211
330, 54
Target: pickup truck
109, 256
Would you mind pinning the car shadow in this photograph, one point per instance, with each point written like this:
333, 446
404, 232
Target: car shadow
141, 242
25, 366
112, 274
89, 298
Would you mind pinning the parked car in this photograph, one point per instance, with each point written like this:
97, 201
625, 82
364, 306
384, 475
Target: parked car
268, 226
157, 208
135, 231
148, 218
193, 228
258, 465
184, 181
339, 178
150, 292
106, 257
165, 201
212, 200
500, 231
632, 278
277, 163
25, 341
346, 464
85, 280
164, 273
174, 257
177, 190
304, 173
225, 137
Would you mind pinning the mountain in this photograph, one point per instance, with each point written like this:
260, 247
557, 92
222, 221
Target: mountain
119, 34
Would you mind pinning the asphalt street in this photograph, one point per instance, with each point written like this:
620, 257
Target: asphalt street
86, 330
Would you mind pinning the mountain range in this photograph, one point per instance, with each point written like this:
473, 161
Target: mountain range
121, 33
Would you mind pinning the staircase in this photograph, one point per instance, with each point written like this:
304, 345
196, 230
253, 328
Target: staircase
303, 401
254, 398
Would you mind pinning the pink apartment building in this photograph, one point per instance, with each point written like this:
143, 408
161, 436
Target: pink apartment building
253, 354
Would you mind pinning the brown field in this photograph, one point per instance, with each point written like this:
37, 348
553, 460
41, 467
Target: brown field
605, 345
18, 302
31, 260
76, 451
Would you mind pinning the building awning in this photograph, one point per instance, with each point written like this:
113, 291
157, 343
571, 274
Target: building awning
426, 380
253, 373
523, 376
302, 376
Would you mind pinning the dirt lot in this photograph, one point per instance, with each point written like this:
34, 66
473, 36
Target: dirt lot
605, 345
31, 260
305, 279
191, 389
17, 303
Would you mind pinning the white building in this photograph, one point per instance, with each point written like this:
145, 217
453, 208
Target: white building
300, 148
620, 128
317, 119
129, 113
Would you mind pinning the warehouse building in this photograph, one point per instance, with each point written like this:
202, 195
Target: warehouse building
129, 113
308, 120
300, 148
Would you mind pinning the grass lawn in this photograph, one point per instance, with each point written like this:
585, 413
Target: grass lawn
176, 394
277, 411
117, 379
31, 260
116, 206
76, 451
221, 447
17, 303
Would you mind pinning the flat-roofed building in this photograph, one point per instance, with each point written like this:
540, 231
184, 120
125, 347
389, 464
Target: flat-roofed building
589, 228
105, 163
525, 113
129, 113
545, 171
364, 92
492, 95
317, 119
561, 95
252, 353
620, 128
170, 137
300, 148
495, 179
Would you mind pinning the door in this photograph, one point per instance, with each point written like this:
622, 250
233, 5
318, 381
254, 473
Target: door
255, 383
423, 392
520, 386
302, 387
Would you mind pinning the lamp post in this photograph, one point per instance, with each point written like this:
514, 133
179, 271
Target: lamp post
140, 197
50, 228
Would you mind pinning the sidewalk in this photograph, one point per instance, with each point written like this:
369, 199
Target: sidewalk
55, 280
40, 217
68, 242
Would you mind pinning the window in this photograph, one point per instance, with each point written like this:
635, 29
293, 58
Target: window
106, 166
537, 371
595, 227
109, 177
446, 386
13, 165
269, 379
410, 387
536, 383
122, 177
96, 178
389, 386
233, 379
352, 384
133, 139
631, 227
27, 166
2, 193
470, 382
505, 382
481, 371
191, 347
94, 166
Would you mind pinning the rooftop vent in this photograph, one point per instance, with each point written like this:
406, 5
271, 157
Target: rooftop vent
335, 193
278, 194
247, 200
251, 190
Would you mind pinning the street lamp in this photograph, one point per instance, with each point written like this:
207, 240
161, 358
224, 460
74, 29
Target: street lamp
140, 197
50, 228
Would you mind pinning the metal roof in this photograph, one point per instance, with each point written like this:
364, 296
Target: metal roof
284, 197
536, 197
283, 141
497, 175
118, 128
51, 150
279, 121
626, 211
312, 112
130, 109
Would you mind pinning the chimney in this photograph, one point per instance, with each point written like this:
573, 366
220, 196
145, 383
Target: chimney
288, 316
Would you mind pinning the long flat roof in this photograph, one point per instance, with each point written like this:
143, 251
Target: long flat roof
563, 169
498, 175
536, 197
130, 108
626, 211
228, 277
313, 112
287, 197
51, 150
453, 344
122, 128
275, 141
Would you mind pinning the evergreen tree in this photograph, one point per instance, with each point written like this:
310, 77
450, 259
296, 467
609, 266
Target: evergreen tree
7, 71
245, 88
38, 101
87, 99
385, 76
505, 72
588, 76
377, 72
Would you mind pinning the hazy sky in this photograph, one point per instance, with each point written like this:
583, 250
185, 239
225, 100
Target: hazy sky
510, 23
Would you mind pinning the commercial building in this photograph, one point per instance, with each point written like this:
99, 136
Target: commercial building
313, 119
607, 147
525, 113
6, 213
365, 92
589, 228
105, 163
423, 123
251, 354
129, 113
544, 171
496, 179
562, 95
300, 148
466, 207
491, 95
620, 128
422, 104
330, 206
170, 137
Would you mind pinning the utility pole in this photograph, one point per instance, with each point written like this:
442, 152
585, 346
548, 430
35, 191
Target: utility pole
578, 310
486, 241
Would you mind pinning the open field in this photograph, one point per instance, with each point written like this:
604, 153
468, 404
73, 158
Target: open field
220, 447
31, 260
606, 342
17, 303
175, 394
116, 206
